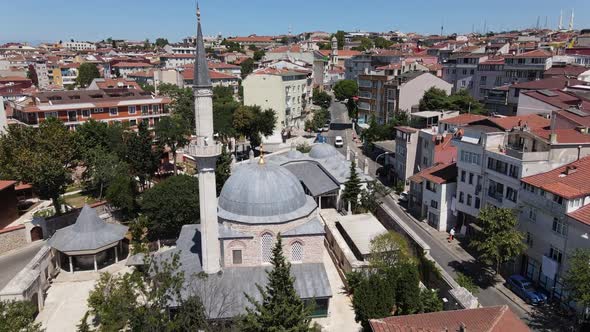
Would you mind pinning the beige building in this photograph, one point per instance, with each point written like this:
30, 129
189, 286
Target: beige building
284, 91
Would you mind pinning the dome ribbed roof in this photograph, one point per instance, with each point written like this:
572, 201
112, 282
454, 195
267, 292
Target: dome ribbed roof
322, 150
265, 193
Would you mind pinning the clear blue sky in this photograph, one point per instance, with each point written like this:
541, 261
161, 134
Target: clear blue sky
52, 20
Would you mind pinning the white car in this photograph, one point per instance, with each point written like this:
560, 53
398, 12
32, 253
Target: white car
326, 127
403, 197
338, 142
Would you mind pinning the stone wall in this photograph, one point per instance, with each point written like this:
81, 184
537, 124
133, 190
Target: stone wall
12, 238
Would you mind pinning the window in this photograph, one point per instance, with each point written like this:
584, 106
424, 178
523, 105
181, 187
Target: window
297, 252
51, 115
477, 202
497, 165
113, 111
433, 204
266, 247
470, 178
482, 80
532, 214
463, 176
144, 109
431, 186
461, 198
131, 109
470, 157
85, 113
513, 171
559, 226
464, 72
236, 256
496, 190
557, 199
529, 239
133, 122
555, 254
469, 200
511, 194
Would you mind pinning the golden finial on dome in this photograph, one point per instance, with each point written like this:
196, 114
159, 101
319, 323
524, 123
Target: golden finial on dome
261, 160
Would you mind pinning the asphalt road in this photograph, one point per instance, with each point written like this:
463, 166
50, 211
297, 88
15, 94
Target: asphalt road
13, 261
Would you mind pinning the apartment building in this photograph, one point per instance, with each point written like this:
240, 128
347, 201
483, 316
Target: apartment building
406, 144
79, 46
459, 70
283, 90
176, 60
42, 72
489, 75
125, 68
76, 107
65, 74
555, 219
371, 97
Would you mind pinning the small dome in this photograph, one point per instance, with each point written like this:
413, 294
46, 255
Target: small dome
294, 154
322, 150
263, 193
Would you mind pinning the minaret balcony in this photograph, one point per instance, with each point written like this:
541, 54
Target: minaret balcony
198, 150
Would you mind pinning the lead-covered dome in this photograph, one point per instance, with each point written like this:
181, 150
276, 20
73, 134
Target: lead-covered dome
263, 193
322, 150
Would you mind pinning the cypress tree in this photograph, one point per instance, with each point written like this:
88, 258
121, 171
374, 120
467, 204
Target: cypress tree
280, 309
352, 188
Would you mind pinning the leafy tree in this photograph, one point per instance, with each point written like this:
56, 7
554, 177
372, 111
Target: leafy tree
101, 169
321, 98
143, 160
407, 287
252, 121
388, 250
374, 297
352, 188
258, 55
284, 40
83, 326
381, 42
366, 44
173, 132
577, 277
18, 316
122, 193
340, 38
464, 102
253, 47
86, 74
147, 87
247, 67
466, 282
112, 301
498, 241
182, 101
231, 46
171, 204
146, 44
430, 301
222, 169
161, 42
345, 89
281, 309
324, 46
43, 157
224, 106
319, 118
372, 195
434, 99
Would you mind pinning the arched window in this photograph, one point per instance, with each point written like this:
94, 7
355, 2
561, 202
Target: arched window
266, 246
296, 252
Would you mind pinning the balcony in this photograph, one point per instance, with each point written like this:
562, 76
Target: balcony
519, 152
541, 202
495, 195
204, 150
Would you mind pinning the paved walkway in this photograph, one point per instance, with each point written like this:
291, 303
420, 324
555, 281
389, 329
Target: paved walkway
15, 260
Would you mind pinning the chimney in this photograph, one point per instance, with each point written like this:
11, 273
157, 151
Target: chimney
570, 169
553, 138
462, 328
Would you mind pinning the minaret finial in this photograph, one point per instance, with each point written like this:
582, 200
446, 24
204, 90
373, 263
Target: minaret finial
198, 12
261, 160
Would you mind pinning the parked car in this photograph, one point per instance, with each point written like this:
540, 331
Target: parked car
524, 288
403, 197
338, 142
326, 127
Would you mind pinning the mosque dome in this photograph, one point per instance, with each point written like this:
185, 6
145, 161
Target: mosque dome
262, 194
323, 150
294, 154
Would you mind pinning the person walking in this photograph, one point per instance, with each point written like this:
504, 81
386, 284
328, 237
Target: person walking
451, 234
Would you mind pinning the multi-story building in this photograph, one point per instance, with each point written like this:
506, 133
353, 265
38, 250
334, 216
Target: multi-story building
371, 96
555, 219
460, 68
489, 74
64, 75
76, 107
40, 67
406, 144
126, 68
79, 46
176, 60
258, 41
527, 66
283, 90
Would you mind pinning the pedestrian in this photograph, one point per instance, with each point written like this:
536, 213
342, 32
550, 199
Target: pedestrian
451, 234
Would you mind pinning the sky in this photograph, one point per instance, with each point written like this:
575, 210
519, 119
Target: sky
52, 20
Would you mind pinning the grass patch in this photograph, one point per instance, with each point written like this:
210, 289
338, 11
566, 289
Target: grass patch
467, 282
78, 200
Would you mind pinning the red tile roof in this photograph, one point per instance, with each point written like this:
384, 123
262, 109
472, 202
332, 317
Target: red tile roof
132, 64
263, 39
439, 174
532, 54
6, 183
532, 121
582, 214
560, 99
572, 185
445, 152
288, 48
341, 53
487, 319
557, 82
463, 119
564, 136
221, 65
568, 70
188, 74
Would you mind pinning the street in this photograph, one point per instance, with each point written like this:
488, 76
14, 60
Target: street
452, 257
13, 261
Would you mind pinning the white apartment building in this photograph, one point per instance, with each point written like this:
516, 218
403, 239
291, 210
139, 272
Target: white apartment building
42, 74
176, 60
282, 90
79, 46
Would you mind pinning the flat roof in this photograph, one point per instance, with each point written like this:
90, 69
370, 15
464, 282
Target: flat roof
388, 145
362, 229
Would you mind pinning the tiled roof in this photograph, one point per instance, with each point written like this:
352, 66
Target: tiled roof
572, 185
288, 48
463, 119
222, 65
564, 136
532, 54
406, 129
558, 98
445, 152
557, 82
440, 174
264, 39
5, 184
487, 319
582, 214
568, 70
132, 64
532, 121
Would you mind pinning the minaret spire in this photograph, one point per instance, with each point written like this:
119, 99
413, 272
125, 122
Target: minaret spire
205, 150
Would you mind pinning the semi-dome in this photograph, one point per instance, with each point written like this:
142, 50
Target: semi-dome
294, 154
263, 193
322, 150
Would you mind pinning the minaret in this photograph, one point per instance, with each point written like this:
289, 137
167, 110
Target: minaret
571, 26
205, 151
560, 26
334, 54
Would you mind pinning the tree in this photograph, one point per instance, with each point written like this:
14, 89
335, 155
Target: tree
434, 99
284, 40
374, 297
465, 103
231, 46
222, 169
340, 38
161, 42
173, 132
112, 301
171, 204
345, 89
252, 121
143, 160
577, 277
83, 326
224, 106
319, 118
388, 250
18, 316
280, 309
183, 101
32, 75
430, 301
381, 42
499, 241
372, 195
86, 74
43, 157
258, 55
121, 193
366, 44
146, 44
247, 67
321, 98
352, 188
102, 167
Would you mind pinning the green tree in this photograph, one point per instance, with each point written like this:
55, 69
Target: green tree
407, 287
388, 250
112, 300
352, 189
467, 282
371, 197
231, 46
171, 204
122, 193
83, 326
224, 106
366, 44
345, 89
258, 55
374, 297
430, 301
577, 277
281, 309
183, 103
86, 74
465, 103
222, 169
252, 122
499, 241
161, 42
381, 42
143, 160
340, 38
319, 118
102, 167
18, 316
173, 132
434, 99
321, 98
247, 67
